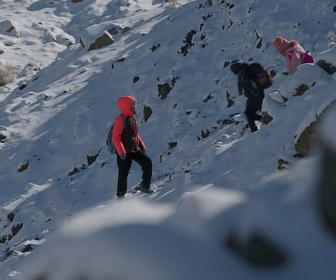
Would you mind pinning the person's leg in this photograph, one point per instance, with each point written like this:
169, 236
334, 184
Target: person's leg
250, 113
123, 170
146, 165
258, 105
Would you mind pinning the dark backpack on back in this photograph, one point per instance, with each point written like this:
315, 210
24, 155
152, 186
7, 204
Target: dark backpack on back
261, 76
109, 144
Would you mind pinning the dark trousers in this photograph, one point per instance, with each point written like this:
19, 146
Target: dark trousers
253, 105
124, 167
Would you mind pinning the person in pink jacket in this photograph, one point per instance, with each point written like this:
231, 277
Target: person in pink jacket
293, 52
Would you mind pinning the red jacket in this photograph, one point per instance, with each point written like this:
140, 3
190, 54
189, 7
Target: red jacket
132, 141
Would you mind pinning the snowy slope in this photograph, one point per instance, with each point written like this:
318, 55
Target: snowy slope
55, 121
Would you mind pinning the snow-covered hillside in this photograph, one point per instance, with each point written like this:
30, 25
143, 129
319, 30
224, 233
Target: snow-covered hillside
234, 205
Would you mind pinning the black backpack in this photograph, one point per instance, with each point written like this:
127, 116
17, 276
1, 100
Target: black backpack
261, 76
256, 71
110, 146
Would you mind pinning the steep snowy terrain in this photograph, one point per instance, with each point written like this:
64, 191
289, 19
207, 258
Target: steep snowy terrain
221, 185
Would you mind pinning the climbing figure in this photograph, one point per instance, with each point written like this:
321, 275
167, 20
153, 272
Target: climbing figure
293, 52
130, 146
252, 79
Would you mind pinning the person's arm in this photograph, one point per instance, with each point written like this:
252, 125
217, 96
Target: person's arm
293, 60
117, 132
141, 143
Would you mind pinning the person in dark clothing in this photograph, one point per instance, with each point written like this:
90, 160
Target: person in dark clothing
252, 79
130, 146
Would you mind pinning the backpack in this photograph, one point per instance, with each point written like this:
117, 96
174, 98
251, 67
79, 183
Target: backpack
261, 76
109, 143
307, 57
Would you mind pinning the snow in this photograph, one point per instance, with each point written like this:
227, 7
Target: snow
59, 217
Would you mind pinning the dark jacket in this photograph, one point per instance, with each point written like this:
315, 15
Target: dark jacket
246, 80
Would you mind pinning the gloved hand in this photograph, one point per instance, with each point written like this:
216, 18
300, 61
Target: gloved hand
123, 156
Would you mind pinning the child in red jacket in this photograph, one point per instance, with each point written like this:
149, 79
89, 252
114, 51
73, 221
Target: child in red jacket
130, 146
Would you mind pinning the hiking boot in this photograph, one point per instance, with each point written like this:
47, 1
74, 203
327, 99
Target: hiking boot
145, 188
266, 118
120, 196
253, 128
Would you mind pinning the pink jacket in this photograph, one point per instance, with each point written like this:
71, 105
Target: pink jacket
293, 58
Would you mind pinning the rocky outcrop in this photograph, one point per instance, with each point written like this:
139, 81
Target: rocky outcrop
327, 179
103, 41
309, 139
9, 28
105, 37
257, 250
328, 67
7, 75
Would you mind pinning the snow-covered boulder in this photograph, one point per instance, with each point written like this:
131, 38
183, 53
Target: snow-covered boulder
8, 27
327, 180
101, 35
2, 48
327, 60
